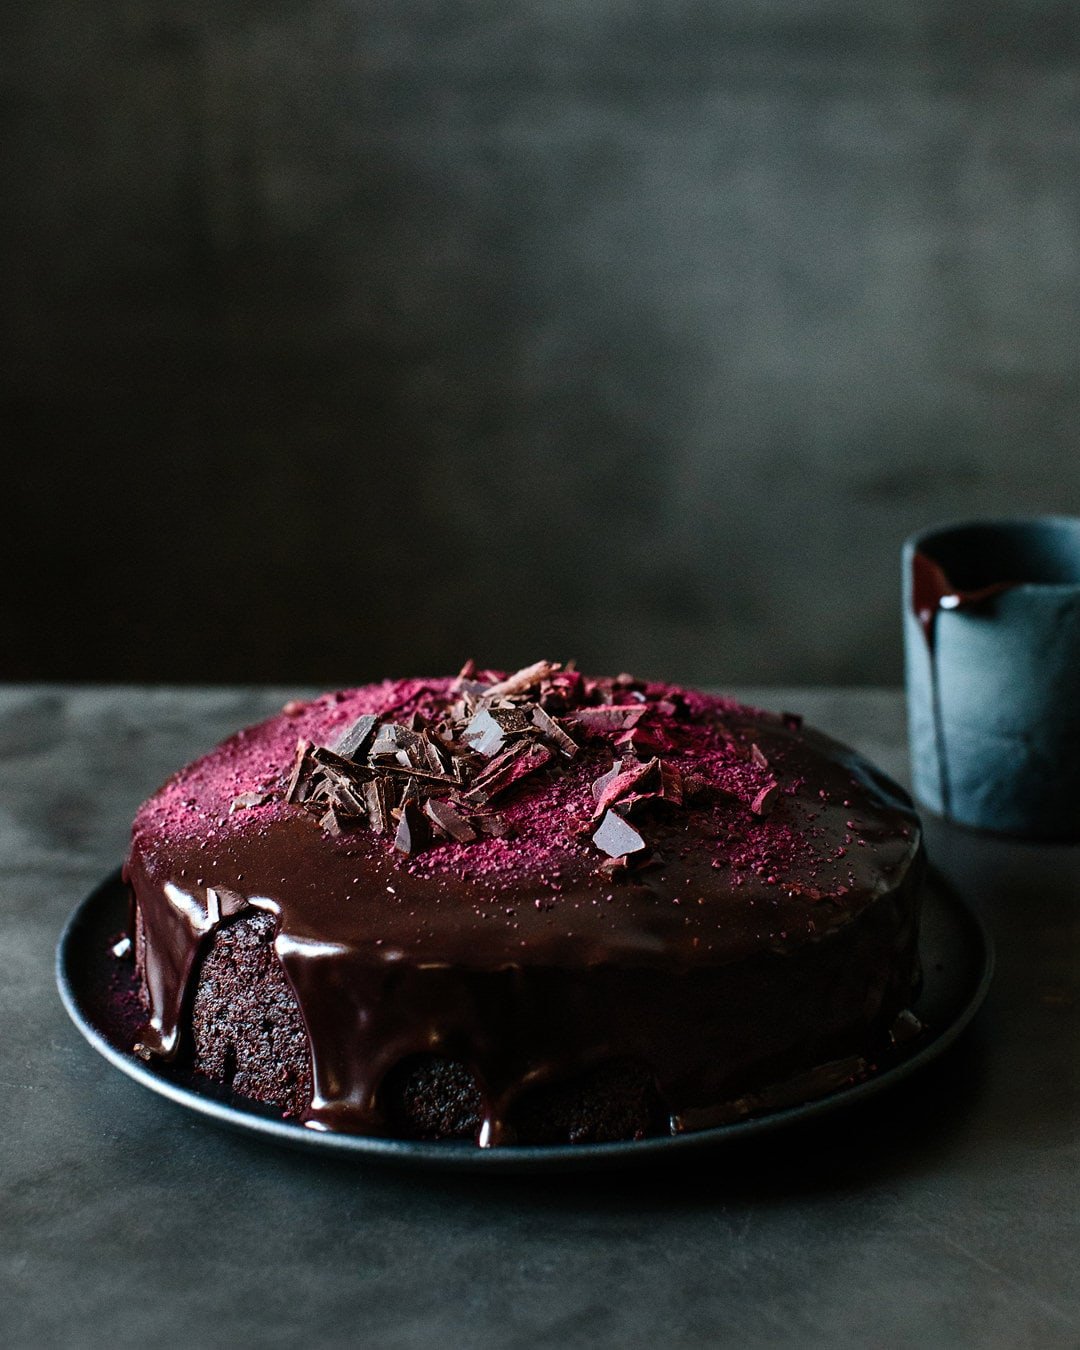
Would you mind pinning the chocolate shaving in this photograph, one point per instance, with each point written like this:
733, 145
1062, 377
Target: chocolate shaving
614, 717
299, 774
549, 728
435, 762
332, 762
514, 720
450, 820
378, 801
623, 784
757, 756
331, 822
347, 801
412, 832
523, 757
386, 744
522, 680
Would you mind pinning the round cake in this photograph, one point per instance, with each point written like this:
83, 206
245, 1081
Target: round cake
535, 907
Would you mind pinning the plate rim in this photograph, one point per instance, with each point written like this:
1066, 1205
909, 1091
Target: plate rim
463, 1155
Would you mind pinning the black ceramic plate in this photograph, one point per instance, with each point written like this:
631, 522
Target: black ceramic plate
96, 990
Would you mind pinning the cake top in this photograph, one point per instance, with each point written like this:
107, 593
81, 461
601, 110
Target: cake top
540, 815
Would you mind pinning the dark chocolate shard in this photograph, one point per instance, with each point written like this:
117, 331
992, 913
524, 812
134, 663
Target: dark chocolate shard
392, 769
347, 801
609, 718
484, 734
332, 762
757, 756
378, 800
354, 740
617, 837
552, 731
345, 774
434, 758
385, 744
450, 820
412, 832
331, 822
222, 904
625, 783
765, 800
523, 757
300, 772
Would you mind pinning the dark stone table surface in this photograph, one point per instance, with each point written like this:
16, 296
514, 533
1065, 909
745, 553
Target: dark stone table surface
944, 1213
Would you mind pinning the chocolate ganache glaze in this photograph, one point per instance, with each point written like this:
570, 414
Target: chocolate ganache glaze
536, 875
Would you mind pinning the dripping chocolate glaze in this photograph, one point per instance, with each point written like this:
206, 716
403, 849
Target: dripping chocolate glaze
932, 591
526, 955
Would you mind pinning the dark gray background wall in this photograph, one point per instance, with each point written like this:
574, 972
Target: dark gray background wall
351, 338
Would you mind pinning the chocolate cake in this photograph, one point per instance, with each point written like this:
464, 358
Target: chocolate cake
527, 908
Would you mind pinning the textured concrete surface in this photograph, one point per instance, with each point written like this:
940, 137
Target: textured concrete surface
945, 1215
637, 332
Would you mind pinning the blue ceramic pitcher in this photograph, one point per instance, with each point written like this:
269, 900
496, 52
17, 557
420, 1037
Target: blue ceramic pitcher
992, 656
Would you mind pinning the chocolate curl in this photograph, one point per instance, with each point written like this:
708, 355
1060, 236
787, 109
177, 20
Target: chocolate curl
521, 680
